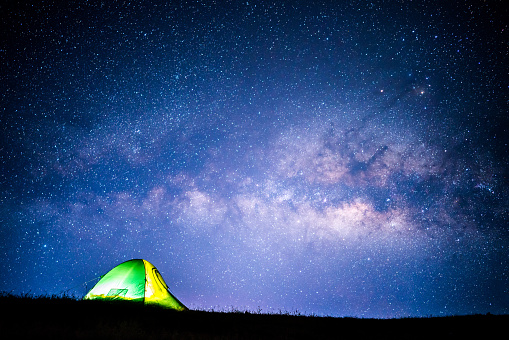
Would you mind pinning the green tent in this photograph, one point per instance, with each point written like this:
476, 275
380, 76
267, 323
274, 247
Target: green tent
135, 280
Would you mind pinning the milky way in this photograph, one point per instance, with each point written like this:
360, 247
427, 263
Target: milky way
345, 160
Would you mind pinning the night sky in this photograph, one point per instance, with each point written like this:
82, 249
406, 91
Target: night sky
343, 158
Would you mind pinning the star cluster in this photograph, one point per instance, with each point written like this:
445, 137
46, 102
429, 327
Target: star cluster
345, 159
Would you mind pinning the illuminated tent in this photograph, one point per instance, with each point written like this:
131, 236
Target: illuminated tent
135, 280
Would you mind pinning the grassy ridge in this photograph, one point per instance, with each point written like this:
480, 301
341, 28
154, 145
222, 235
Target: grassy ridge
67, 318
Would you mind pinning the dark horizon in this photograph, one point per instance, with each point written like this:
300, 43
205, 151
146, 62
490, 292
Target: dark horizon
94, 319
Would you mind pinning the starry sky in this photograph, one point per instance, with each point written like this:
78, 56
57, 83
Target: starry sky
343, 158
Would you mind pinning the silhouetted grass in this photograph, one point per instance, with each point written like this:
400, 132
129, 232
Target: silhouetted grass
64, 317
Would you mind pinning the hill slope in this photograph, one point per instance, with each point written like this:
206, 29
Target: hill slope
70, 319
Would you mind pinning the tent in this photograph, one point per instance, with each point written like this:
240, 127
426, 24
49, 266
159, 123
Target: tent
135, 280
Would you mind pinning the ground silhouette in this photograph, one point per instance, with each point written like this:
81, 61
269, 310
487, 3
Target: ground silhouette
67, 318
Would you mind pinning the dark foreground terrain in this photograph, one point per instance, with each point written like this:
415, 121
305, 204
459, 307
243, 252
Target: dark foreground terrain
66, 318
